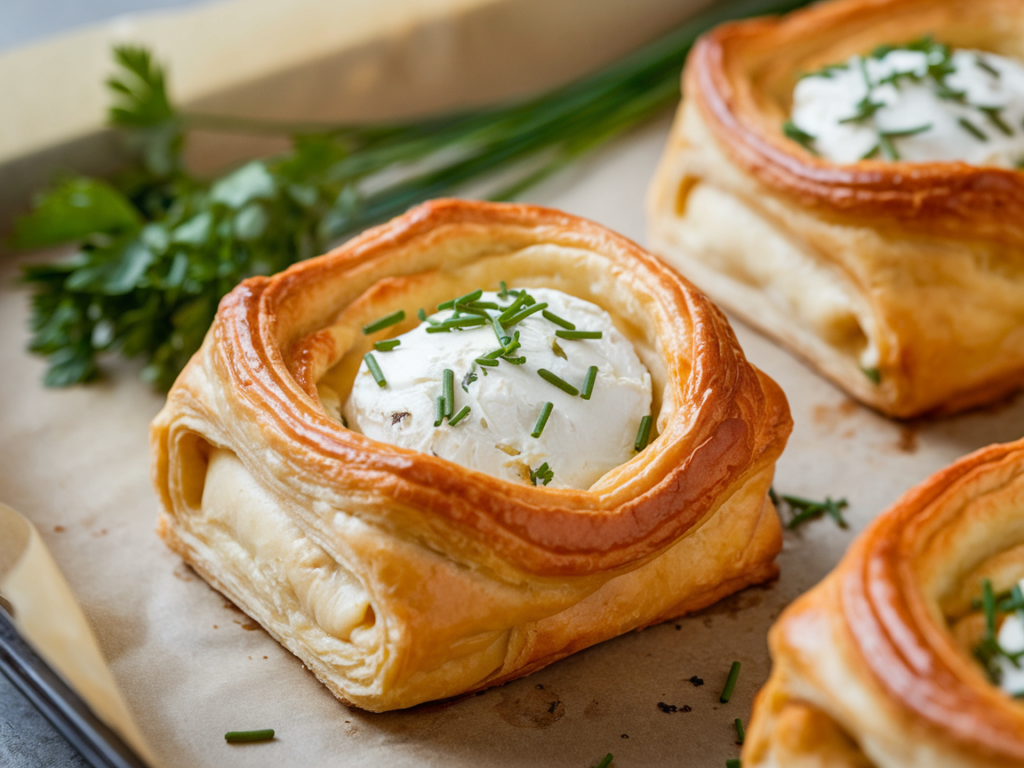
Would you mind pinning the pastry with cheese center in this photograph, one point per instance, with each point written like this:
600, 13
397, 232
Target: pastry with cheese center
317, 463
847, 179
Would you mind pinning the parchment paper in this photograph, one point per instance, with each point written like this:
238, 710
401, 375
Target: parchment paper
192, 667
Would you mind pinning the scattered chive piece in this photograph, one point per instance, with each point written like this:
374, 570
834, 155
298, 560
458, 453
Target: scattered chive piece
739, 730
387, 345
523, 314
801, 137
972, 129
515, 306
439, 410
464, 299
503, 338
448, 387
579, 334
240, 737
384, 322
459, 416
544, 473
988, 67
562, 384
503, 293
889, 151
903, 132
542, 420
468, 379
606, 762
457, 322
558, 320
486, 361
734, 763
514, 360
773, 496
809, 510
992, 113
375, 371
873, 373
730, 683
588, 382
642, 434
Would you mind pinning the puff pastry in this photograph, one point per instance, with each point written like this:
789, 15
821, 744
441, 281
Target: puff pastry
875, 665
398, 577
902, 282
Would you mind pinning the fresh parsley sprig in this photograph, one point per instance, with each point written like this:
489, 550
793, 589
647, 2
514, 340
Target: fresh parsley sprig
158, 247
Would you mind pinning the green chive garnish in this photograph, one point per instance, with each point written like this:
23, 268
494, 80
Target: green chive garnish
987, 67
606, 762
739, 730
514, 360
544, 473
642, 434
542, 420
889, 151
579, 334
525, 313
972, 129
515, 306
562, 384
387, 345
503, 293
457, 322
459, 416
464, 299
375, 370
801, 137
385, 322
873, 373
487, 362
588, 382
994, 116
448, 388
240, 737
558, 320
730, 683
734, 763
439, 409
499, 331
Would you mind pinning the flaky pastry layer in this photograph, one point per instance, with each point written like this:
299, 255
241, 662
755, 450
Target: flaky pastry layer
398, 577
869, 669
901, 282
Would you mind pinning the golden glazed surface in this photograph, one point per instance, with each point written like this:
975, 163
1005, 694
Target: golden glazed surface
399, 577
913, 270
871, 667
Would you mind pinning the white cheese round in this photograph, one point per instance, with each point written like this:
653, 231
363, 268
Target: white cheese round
1011, 640
582, 440
978, 118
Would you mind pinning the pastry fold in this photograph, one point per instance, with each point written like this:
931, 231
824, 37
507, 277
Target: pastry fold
398, 577
874, 667
899, 281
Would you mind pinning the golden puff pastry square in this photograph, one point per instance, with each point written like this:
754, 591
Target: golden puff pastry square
902, 282
399, 577
881, 664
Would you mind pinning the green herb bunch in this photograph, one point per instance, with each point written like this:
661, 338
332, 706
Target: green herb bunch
158, 247
988, 651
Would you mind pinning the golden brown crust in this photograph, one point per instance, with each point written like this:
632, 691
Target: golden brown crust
920, 252
873, 646
455, 580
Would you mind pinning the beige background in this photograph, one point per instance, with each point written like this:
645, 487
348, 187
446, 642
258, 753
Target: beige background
192, 667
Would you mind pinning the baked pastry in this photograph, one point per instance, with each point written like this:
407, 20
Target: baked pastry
874, 228
894, 659
398, 576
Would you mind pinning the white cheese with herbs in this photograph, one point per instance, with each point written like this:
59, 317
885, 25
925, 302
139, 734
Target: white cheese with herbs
582, 439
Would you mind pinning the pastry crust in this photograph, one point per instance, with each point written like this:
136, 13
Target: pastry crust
915, 270
399, 577
871, 667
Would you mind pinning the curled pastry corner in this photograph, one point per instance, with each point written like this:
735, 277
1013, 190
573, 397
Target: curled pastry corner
872, 668
901, 282
398, 577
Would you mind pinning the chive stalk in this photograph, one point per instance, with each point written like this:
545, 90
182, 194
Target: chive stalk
643, 434
439, 409
741, 734
542, 420
375, 371
588, 382
551, 316
606, 761
557, 381
525, 313
448, 391
579, 334
387, 345
459, 416
242, 737
384, 322
730, 683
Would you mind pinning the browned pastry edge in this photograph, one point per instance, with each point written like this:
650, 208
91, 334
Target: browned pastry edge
734, 421
953, 199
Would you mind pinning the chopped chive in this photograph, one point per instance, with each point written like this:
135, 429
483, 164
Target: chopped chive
495, 354
740, 733
588, 382
801, 137
503, 293
457, 322
459, 416
468, 379
514, 360
972, 129
871, 153
439, 409
873, 374
464, 299
606, 761
904, 132
558, 320
525, 313
448, 387
988, 601
730, 683
987, 67
544, 473
557, 349
487, 362
643, 434
375, 371
733, 763
810, 510
562, 384
423, 317
499, 331
579, 334
387, 345
888, 148
515, 306
241, 737
992, 113
384, 322
542, 420
477, 306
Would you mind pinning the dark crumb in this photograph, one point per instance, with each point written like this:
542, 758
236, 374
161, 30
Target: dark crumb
686, 708
480, 693
397, 417
540, 687
625, 735
59, 529
697, 682
679, 626
554, 706
214, 626
264, 657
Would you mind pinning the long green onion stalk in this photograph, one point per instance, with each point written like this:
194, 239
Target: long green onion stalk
158, 247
